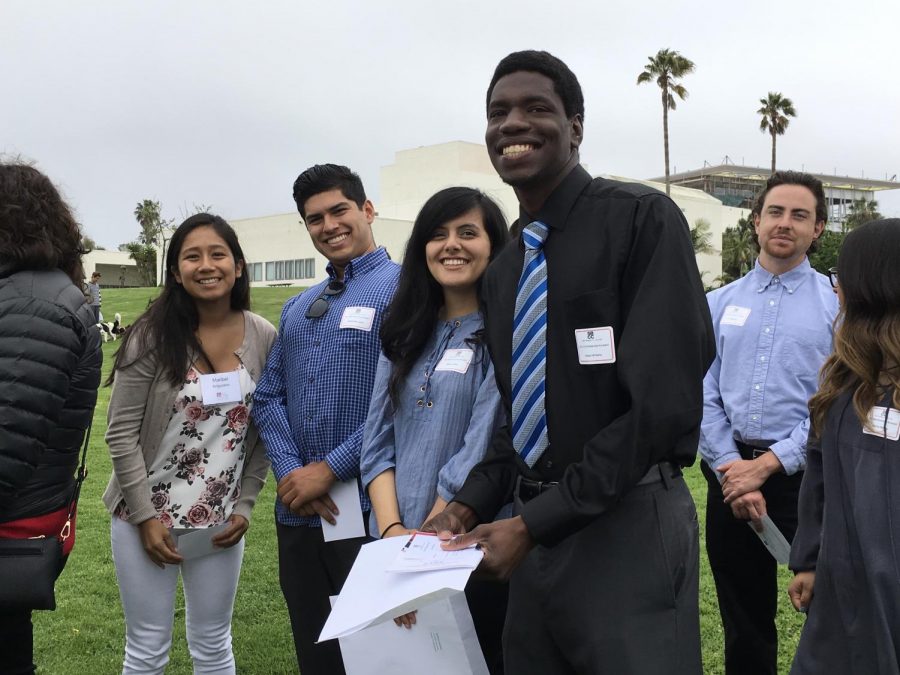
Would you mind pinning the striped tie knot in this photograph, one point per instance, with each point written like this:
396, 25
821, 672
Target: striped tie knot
534, 235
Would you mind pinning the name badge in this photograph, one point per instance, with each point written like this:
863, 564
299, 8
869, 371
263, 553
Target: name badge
457, 360
595, 345
878, 426
221, 388
734, 316
358, 318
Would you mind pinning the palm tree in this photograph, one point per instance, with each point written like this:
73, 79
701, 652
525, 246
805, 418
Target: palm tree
666, 67
701, 237
776, 112
861, 211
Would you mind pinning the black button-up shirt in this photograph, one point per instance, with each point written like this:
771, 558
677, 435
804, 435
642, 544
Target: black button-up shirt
618, 255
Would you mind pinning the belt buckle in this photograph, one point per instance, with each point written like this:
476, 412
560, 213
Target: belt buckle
758, 452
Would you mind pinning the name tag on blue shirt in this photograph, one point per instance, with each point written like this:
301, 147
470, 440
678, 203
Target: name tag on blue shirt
358, 318
221, 388
735, 316
457, 360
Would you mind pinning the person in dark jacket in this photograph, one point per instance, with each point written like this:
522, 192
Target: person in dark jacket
49, 373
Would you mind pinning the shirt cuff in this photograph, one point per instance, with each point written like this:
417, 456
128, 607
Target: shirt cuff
342, 469
373, 472
724, 459
791, 456
282, 466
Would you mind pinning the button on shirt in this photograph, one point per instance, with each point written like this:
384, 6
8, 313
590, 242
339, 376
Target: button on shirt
773, 333
311, 402
442, 425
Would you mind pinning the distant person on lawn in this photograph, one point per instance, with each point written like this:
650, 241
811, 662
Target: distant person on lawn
185, 454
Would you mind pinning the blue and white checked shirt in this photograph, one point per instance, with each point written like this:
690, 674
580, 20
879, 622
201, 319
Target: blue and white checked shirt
311, 401
773, 333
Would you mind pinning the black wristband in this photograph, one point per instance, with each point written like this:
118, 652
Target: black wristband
385, 531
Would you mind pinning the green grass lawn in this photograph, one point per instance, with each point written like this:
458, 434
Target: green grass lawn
85, 635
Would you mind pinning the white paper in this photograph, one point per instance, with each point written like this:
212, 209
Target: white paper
734, 316
422, 552
595, 345
197, 542
773, 540
360, 318
442, 642
876, 424
457, 360
220, 388
371, 594
350, 519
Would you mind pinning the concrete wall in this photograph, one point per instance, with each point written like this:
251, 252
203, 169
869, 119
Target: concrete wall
115, 267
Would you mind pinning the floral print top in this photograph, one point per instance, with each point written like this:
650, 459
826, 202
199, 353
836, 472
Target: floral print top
195, 480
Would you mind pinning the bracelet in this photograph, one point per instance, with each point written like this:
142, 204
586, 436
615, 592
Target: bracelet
385, 531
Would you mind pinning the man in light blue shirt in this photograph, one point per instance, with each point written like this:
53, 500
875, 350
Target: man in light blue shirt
773, 332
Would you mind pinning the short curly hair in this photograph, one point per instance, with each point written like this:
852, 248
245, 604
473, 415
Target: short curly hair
37, 228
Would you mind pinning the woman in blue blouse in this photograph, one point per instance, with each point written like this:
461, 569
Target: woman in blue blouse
435, 404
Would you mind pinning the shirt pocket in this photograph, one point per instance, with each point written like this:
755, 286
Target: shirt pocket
594, 309
804, 351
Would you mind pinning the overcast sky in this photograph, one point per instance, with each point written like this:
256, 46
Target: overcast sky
224, 103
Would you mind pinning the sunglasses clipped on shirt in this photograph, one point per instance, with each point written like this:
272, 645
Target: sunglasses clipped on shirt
321, 305
832, 277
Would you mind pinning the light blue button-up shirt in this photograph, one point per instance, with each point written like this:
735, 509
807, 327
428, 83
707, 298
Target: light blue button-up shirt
773, 333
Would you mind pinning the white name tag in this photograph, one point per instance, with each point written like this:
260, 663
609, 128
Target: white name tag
221, 388
457, 360
595, 345
359, 318
735, 316
877, 427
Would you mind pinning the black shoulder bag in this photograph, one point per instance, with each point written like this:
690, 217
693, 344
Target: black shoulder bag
29, 567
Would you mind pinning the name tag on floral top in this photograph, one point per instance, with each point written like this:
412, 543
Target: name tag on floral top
457, 360
359, 318
734, 316
221, 388
595, 345
883, 428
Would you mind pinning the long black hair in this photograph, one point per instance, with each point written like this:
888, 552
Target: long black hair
410, 318
169, 324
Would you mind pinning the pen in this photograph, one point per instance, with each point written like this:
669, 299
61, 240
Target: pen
407, 544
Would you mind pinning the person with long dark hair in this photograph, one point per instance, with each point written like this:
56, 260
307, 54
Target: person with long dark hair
185, 453
435, 403
50, 356
846, 553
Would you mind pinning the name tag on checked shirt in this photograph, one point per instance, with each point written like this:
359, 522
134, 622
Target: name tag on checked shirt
457, 360
358, 318
595, 345
883, 428
734, 316
220, 388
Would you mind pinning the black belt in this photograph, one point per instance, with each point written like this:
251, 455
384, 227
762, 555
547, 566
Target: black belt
526, 489
752, 450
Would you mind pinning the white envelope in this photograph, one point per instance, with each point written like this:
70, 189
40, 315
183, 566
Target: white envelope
349, 522
773, 540
196, 542
371, 594
442, 642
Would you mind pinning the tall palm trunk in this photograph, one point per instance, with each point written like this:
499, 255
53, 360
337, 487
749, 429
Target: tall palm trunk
665, 102
773, 149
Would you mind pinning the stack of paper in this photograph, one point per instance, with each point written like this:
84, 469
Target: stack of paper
373, 594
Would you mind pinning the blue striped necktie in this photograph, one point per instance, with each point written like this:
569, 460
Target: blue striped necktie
529, 360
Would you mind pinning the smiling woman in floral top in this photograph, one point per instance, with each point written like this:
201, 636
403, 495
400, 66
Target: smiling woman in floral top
185, 455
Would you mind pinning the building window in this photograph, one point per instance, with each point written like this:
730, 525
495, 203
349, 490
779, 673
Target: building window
310, 271
254, 270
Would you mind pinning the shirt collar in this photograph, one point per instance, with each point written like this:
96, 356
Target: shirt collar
362, 264
560, 202
791, 280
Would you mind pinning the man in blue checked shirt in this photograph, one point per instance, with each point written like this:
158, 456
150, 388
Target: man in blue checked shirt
773, 332
310, 404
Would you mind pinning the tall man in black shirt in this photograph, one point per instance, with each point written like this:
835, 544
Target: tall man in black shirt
603, 555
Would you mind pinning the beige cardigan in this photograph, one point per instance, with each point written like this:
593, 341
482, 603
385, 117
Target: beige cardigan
140, 408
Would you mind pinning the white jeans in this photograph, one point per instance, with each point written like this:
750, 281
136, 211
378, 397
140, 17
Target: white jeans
148, 599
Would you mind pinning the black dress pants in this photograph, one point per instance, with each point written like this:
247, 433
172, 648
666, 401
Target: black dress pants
620, 596
310, 571
16, 642
746, 573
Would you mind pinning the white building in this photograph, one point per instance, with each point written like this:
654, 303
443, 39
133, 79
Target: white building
117, 269
280, 253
